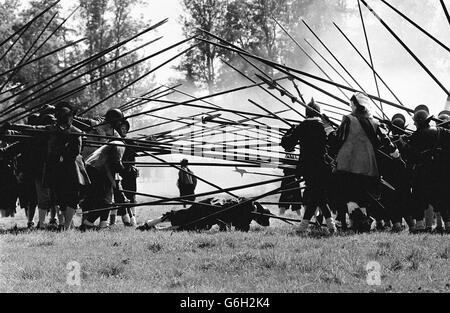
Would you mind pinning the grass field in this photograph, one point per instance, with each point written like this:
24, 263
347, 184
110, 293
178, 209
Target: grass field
271, 259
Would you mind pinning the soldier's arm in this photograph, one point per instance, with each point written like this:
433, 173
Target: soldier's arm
117, 154
386, 142
290, 139
336, 138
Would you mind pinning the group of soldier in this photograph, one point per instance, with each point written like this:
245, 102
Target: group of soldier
372, 173
59, 162
362, 173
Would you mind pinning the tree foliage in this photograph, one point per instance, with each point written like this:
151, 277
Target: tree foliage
251, 26
103, 23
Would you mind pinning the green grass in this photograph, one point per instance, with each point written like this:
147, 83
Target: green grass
271, 259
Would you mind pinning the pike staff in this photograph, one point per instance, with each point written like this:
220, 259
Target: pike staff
24, 57
208, 193
445, 11
36, 95
285, 69
28, 24
417, 25
309, 57
370, 53
410, 52
189, 102
371, 66
340, 64
86, 61
78, 89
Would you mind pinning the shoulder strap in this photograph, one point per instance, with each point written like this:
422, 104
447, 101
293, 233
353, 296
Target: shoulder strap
369, 130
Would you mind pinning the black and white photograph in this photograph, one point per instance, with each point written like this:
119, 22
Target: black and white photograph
224, 153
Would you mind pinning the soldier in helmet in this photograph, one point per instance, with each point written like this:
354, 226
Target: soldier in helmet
312, 137
64, 171
444, 116
24, 174
427, 149
356, 144
397, 200
128, 176
108, 125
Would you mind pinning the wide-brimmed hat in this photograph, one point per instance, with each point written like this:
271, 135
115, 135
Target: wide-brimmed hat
184, 162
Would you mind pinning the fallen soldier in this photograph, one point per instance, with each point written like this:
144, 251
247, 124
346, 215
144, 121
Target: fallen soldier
239, 216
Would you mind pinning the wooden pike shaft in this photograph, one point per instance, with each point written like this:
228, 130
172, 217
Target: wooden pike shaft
25, 56
410, 21
97, 55
237, 205
134, 100
445, 10
189, 173
267, 91
52, 83
308, 55
368, 64
370, 52
340, 64
175, 104
209, 193
412, 54
67, 94
14, 42
328, 63
285, 69
207, 102
154, 164
28, 24
139, 102
86, 61
149, 72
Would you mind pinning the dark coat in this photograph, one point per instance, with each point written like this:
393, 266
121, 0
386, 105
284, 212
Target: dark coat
64, 164
240, 216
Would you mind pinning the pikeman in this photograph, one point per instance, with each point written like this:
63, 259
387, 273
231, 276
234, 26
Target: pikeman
64, 171
129, 176
24, 174
356, 144
395, 172
8, 181
428, 152
45, 200
108, 125
445, 117
313, 166
291, 195
102, 166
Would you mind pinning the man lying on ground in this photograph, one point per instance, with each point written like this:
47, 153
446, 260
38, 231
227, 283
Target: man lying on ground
233, 212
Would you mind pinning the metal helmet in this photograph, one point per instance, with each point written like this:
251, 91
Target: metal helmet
113, 115
33, 119
399, 120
